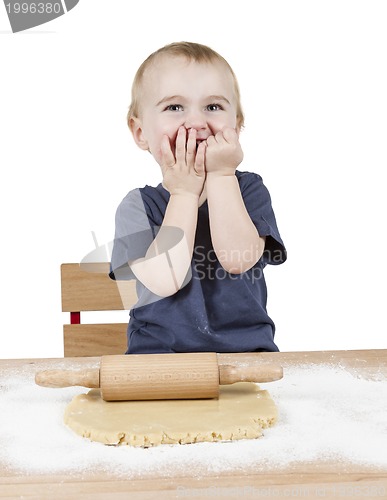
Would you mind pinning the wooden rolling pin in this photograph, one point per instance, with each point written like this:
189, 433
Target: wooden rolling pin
159, 376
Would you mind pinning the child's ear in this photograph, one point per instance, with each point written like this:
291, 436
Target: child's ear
239, 127
135, 126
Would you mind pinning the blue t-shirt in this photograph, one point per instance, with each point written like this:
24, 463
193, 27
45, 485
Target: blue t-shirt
214, 311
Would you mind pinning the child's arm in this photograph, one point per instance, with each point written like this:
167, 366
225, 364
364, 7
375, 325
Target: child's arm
235, 238
166, 264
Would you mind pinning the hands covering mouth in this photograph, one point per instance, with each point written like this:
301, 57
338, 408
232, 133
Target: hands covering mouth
190, 137
188, 160
183, 163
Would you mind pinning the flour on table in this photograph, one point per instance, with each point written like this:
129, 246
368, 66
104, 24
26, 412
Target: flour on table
324, 413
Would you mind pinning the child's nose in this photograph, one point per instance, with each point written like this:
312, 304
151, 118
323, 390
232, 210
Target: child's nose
195, 120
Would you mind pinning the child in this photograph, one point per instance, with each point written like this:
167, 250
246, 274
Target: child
197, 243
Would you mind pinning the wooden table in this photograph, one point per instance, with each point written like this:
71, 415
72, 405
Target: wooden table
308, 480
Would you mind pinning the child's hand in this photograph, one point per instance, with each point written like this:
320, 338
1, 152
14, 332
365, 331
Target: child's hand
223, 153
183, 172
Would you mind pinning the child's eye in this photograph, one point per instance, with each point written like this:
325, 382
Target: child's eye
174, 107
214, 107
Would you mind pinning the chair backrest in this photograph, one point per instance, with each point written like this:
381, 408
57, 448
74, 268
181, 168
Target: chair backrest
91, 289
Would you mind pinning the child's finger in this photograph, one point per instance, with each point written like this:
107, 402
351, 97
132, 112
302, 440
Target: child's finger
230, 135
219, 138
167, 158
211, 140
181, 139
200, 159
191, 147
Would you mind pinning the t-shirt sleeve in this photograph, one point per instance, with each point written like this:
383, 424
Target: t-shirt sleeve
258, 204
133, 235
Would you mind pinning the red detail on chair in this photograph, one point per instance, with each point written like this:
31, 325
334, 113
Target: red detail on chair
75, 318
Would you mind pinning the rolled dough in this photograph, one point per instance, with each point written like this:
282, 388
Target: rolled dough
241, 412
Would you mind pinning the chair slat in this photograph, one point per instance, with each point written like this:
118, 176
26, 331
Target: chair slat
94, 339
94, 291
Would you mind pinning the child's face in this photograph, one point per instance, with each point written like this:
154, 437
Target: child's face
178, 92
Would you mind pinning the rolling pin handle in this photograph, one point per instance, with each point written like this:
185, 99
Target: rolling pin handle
229, 374
68, 378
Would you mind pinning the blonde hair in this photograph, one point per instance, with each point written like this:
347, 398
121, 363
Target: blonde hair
192, 51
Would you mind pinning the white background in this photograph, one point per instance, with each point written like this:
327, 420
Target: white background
313, 79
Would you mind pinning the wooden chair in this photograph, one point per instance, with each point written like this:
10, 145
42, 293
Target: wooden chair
87, 287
